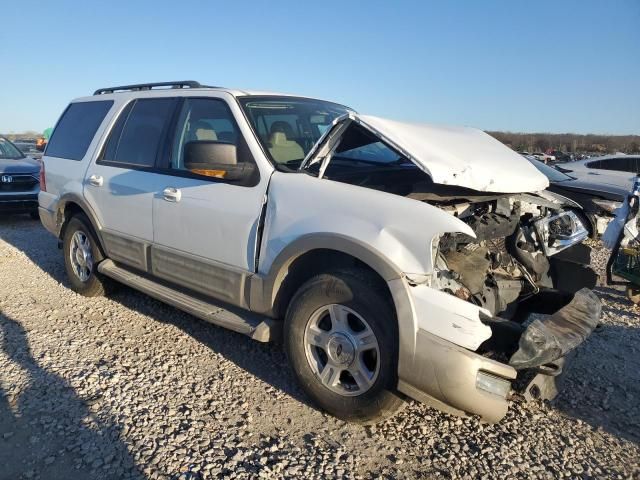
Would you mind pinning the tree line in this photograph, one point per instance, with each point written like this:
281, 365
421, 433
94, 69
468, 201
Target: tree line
569, 142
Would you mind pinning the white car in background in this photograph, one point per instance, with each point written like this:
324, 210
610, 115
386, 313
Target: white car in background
390, 258
618, 170
543, 157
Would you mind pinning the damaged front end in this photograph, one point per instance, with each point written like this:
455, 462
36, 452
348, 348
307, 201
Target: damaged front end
504, 294
529, 273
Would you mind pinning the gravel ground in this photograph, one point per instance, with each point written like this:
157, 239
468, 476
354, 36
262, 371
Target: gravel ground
126, 387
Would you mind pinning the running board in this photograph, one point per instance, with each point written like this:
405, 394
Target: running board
258, 327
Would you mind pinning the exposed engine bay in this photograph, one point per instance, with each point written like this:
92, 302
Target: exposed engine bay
509, 260
515, 277
527, 257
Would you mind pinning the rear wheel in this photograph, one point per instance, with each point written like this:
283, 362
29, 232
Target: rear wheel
341, 339
81, 257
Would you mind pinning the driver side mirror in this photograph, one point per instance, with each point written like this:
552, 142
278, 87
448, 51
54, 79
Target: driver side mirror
216, 159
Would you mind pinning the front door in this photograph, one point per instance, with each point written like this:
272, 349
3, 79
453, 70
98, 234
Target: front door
205, 228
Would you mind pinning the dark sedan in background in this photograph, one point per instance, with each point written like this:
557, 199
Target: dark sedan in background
597, 198
19, 180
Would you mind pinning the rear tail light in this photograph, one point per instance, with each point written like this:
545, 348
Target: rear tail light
43, 179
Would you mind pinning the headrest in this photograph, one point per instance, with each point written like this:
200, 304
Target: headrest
284, 127
203, 131
278, 138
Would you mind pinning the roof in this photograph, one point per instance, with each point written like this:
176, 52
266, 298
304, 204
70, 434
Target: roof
177, 88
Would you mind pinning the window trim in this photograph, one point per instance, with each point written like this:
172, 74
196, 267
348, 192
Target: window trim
265, 151
164, 167
163, 155
134, 166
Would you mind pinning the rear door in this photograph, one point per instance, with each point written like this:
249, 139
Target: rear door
121, 184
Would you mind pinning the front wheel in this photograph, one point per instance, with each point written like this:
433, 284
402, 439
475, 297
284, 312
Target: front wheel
341, 340
81, 257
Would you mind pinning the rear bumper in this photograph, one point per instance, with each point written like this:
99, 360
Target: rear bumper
48, 220
459, 381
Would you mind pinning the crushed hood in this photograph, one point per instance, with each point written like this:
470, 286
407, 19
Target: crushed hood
461, 156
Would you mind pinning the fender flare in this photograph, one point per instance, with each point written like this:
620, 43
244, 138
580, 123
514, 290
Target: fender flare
86, 209
264, 288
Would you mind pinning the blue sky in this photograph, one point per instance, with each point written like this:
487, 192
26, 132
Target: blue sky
558, 66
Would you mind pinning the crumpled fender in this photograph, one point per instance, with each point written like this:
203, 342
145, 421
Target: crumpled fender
396, 228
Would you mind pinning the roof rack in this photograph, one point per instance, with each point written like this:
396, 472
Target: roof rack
149, 86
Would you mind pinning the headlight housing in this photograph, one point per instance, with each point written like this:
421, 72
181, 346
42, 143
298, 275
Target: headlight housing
561, 231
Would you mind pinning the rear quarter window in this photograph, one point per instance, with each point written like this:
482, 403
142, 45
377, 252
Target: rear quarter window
76, 128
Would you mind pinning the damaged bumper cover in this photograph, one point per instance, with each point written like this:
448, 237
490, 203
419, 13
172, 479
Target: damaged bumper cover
550, 339
459, 381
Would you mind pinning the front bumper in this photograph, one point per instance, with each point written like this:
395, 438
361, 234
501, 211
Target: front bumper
445, 375
459, 381
19, 203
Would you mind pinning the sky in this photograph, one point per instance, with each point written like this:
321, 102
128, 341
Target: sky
543, 66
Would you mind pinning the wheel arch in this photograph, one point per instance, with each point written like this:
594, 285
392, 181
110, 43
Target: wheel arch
70, 206
316, 253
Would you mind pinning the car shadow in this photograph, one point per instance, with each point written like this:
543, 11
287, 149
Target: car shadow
606, 394
266, 361
47, 431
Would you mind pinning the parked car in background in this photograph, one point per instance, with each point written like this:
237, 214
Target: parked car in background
620, 169
19, 180
597, 199
29, 148
543, 157
390, 258
559, 156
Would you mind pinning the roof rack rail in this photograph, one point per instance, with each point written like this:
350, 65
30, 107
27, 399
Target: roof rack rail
149, 86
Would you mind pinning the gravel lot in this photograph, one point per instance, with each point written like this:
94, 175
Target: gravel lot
126, 387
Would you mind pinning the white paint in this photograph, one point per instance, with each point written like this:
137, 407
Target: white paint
448, 317
397, 228
461, 156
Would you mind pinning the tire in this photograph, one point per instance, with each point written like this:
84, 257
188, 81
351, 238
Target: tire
351, 298
94, 285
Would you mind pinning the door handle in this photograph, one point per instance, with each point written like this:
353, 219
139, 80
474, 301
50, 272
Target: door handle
171, 194
96, 180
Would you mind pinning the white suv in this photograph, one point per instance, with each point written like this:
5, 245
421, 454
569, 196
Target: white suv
392, 259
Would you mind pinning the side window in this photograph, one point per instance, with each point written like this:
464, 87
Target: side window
136, 136
76, 128
621, 164
203, 123
594, 164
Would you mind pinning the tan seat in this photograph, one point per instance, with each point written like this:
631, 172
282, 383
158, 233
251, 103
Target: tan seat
203, 131
282, 150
